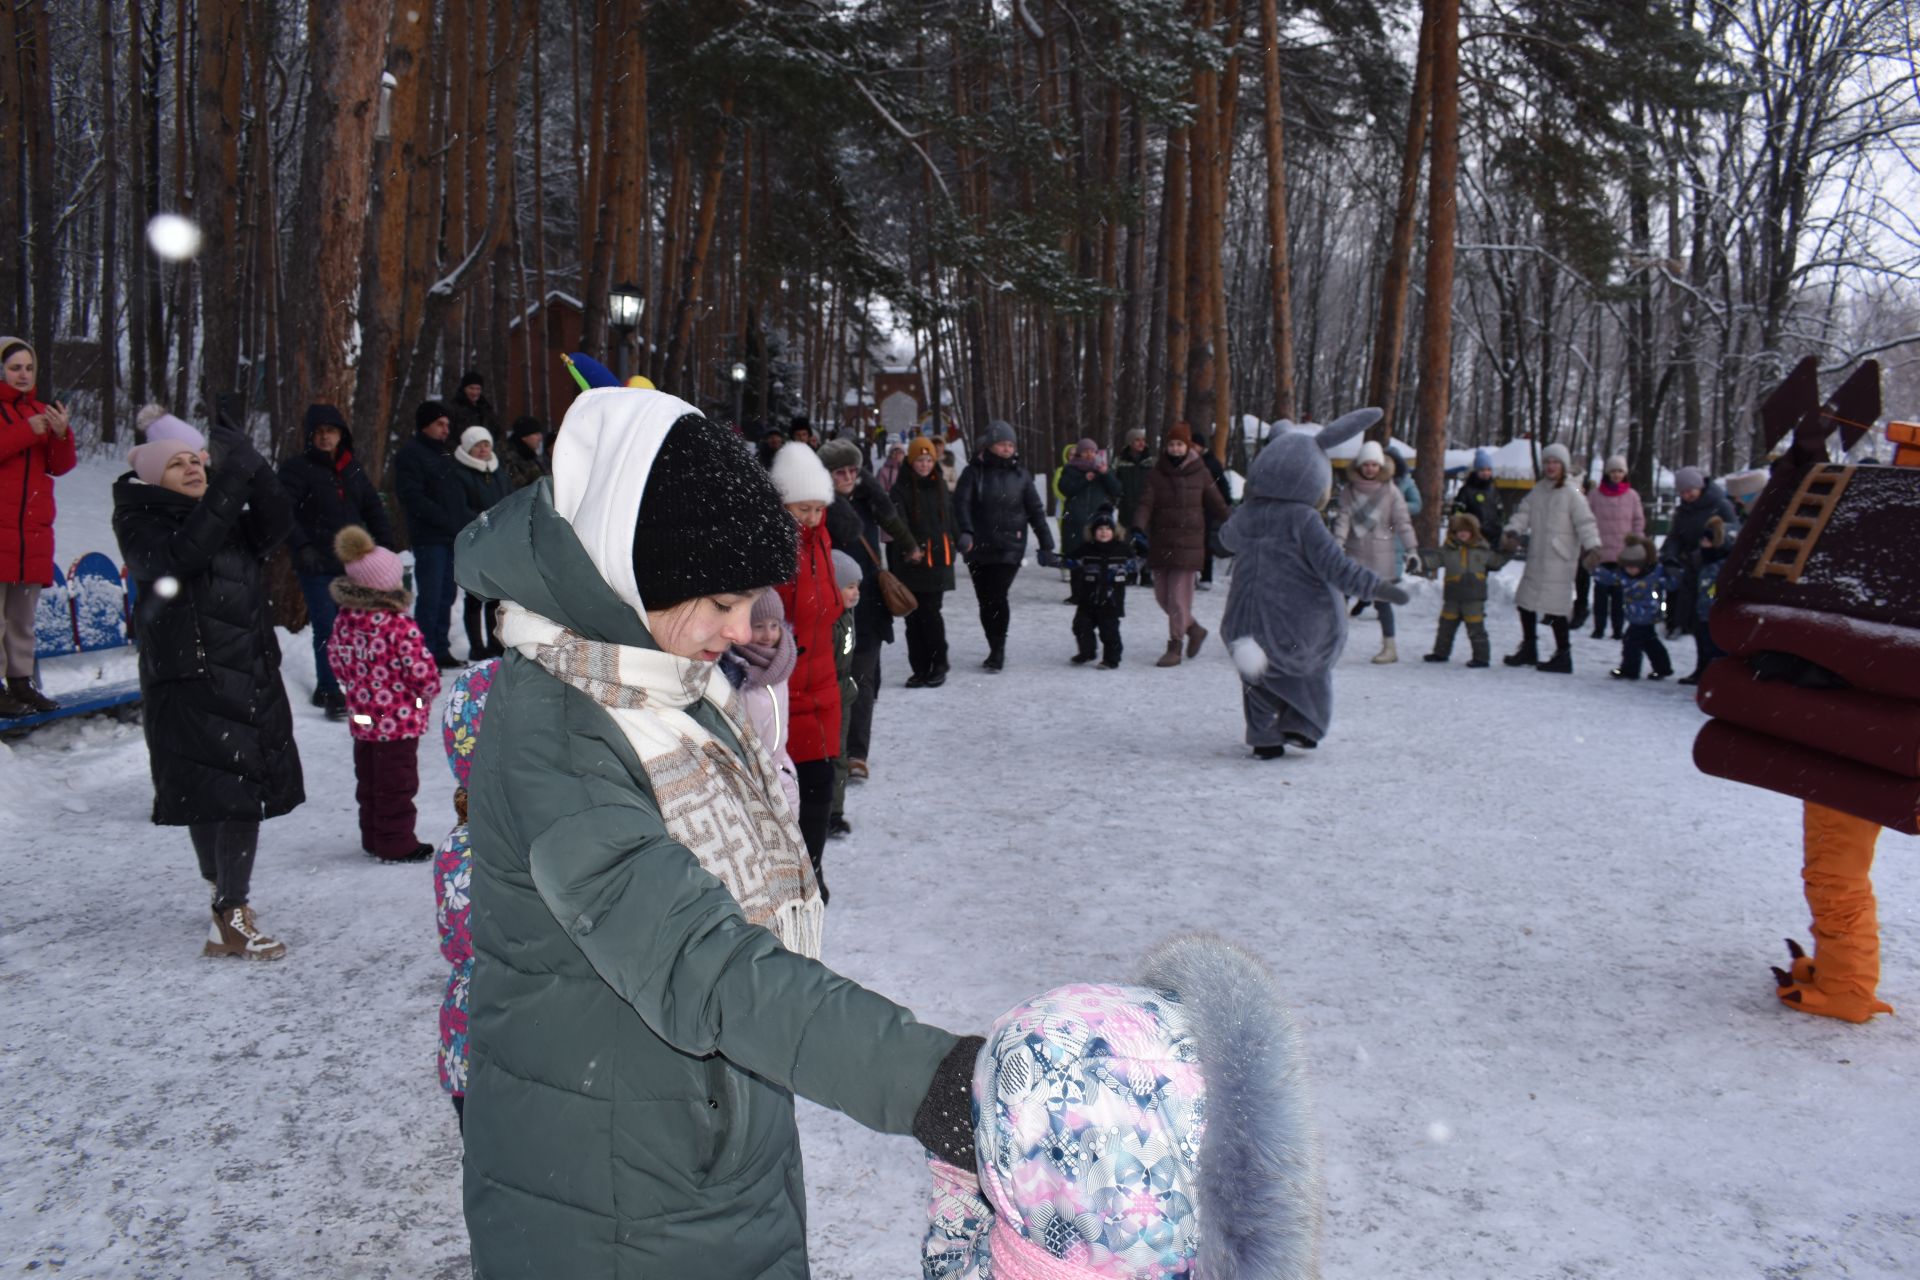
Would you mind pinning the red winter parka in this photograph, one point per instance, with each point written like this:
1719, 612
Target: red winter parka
28, 464
813, 690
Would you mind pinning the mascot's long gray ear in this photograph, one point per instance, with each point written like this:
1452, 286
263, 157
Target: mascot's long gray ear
1347, 426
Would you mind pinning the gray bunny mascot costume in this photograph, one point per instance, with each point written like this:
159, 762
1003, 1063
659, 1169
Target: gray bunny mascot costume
1286, 621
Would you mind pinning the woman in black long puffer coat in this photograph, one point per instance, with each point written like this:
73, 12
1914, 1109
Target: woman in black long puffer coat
218, 727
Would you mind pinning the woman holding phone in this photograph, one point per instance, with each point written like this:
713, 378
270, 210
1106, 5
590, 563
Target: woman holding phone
36, 444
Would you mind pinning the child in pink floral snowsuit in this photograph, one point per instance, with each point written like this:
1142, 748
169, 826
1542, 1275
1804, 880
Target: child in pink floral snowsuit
390, 680
453, 876
1137, 1133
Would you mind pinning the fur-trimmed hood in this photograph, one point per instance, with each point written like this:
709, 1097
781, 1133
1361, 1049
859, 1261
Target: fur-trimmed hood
1183, 1099
349, 594
1471, 523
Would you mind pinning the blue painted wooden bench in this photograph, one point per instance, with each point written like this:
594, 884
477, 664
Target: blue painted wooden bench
81, 619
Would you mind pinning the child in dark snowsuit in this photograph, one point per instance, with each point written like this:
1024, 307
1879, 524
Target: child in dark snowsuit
1464, 562
1100, 568
1642, 583
846, 576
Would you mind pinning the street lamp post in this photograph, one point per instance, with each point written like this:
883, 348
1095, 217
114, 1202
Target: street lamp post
625, 303
739, 375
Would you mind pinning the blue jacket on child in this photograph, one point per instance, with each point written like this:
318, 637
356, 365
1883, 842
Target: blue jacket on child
1643, 594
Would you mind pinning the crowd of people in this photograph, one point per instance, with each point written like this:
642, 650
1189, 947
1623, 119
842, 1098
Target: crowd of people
697, 630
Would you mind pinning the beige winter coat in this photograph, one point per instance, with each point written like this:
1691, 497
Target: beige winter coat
1369, 515
1562, 526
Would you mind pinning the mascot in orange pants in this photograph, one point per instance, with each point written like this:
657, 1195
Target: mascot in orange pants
1818, 610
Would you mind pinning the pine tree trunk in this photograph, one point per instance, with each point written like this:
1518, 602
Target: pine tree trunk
679, 346
14, 295
1436, 324
1383, 374
138, 295
384, 282
1279, 269
345, 44
109, 235
1177, 204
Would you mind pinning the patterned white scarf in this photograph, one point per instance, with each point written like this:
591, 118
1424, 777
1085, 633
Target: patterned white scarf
729, 812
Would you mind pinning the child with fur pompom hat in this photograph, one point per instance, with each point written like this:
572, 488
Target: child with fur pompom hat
390, 680
1135, 1132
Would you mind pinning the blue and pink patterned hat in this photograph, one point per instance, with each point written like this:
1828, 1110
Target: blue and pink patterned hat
1151, 1131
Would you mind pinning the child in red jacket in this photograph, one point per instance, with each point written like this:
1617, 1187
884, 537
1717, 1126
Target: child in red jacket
812, 603
390, 679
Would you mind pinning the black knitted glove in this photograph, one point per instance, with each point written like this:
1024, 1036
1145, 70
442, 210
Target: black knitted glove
944, 1122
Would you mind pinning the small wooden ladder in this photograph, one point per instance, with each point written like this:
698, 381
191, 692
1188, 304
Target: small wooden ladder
1805, 519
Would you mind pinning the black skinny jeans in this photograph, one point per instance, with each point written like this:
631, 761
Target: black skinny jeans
225, 851
991, 582
816, 807
926, 634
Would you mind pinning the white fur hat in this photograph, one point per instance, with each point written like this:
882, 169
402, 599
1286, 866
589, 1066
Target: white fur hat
1371, 452
1557, 452
800, 476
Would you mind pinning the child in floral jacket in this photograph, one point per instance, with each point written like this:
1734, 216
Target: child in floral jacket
453, 875
390, 680
1162, 1129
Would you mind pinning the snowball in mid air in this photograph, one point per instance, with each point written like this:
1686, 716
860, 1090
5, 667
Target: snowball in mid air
173, 237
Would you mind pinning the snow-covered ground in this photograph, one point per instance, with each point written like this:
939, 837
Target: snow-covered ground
1527, 941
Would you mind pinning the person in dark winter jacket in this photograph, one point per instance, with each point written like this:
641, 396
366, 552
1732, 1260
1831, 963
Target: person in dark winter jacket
1480, 499
846, 576
1100, 590
994, 505
36, 444
427, 485
647, 997
1701, 500
1131, 469
524, 454
1152, 1131
1203, 445
214, 710
1715, 545
1086, 485
328, 491
920, 496
1176, 511
468, 405
860, 511
1640, 583
1465, 562
486, 485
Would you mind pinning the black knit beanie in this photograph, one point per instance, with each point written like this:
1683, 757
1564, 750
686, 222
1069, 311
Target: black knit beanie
710, 520
430, 411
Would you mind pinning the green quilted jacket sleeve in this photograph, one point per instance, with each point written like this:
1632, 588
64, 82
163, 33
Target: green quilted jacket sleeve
669, 938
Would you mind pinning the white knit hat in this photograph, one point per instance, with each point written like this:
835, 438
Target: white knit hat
1616, 463
1371, 452
473, 435
800, 476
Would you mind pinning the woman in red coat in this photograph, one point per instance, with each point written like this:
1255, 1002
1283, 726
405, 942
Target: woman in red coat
36, 444
813, 605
